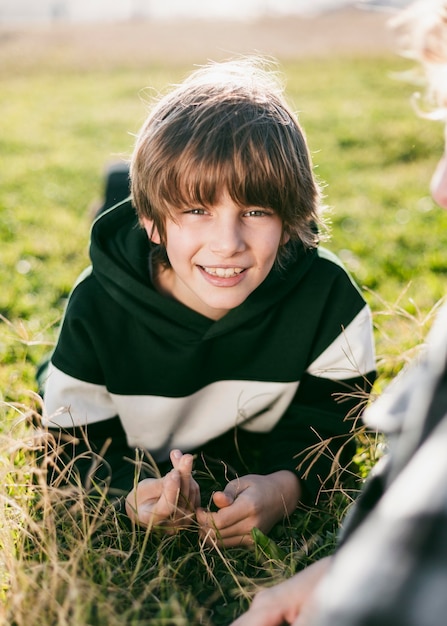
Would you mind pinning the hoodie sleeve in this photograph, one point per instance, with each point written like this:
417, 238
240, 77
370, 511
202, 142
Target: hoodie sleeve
87, 438
322, 419
316, 436
95, 458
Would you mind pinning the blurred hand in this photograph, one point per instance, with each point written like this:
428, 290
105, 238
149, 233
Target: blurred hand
287, 603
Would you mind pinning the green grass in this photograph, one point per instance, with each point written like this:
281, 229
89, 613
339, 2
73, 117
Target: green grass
65, 561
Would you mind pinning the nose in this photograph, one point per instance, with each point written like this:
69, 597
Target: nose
438, 185
227, 237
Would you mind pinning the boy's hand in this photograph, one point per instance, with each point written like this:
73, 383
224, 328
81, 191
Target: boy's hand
248, 502
169, 502
287, 603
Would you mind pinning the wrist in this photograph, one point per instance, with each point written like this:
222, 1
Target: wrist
289, 487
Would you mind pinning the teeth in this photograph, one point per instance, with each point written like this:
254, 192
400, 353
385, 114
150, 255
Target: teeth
223, 272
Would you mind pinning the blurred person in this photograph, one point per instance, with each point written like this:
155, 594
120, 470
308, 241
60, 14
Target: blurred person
116, 187
390, 567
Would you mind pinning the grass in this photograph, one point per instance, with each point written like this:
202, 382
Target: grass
70, 560
65, 560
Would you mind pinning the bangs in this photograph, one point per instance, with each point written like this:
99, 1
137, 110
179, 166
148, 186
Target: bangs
200, 176
241, 150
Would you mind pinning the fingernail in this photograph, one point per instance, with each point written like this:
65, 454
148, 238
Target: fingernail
177, 454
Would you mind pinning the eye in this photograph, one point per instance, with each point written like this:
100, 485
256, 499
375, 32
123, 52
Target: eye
258, 213
196, 211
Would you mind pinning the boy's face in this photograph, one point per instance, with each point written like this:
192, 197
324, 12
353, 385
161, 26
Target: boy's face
219, 255
438, 185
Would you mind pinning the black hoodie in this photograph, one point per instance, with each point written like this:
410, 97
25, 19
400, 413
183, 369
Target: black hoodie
255, 390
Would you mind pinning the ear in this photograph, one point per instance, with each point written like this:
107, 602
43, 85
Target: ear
284, 239
151, 230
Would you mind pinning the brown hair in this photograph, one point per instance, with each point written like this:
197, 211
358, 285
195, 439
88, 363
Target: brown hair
226, 128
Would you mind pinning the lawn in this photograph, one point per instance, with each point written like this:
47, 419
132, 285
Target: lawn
68, 561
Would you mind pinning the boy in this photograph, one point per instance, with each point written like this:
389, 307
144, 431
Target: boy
219, 329
391, 565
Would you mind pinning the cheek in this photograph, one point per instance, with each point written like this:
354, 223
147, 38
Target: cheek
438, 186
270, 244
181, 244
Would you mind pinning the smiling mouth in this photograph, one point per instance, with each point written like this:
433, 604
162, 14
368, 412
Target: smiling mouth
223, 272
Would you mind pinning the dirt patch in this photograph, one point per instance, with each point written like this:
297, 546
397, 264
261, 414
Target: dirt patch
136, 43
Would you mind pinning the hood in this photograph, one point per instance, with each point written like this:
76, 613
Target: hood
120, 251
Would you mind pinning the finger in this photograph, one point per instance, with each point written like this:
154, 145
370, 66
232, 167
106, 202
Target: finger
166, 505
241, 531
304, 617
212, 526
239, 512
183, 463
144, 495
264, 613
256, 617
222, 499
212, 538
195, 494
233, 489
175, 456
204, 517
229, 495
185, 469
171, 504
